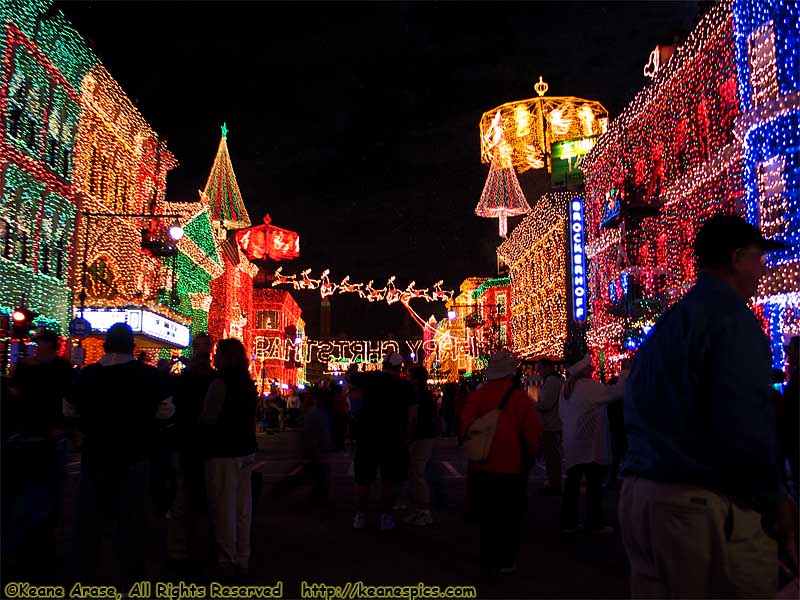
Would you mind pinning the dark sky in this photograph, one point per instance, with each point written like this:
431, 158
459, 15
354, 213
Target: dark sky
356, 124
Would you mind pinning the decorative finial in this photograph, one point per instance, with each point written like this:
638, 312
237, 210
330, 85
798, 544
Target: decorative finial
541, 87
225, 130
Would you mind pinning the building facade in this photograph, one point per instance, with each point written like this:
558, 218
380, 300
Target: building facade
44, 61
716, 131
535, 254
278, 339
768, 61
124, 265
493, 315
666, 163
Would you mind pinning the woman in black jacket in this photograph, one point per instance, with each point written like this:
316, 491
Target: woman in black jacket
229, 412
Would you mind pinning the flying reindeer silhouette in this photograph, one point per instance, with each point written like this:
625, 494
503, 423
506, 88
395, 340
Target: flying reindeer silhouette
439, 294
372, 295
326, 288
280, 279
392, 293
306, 283
346, 287
411, 292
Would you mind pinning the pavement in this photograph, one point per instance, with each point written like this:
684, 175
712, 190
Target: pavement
294, 541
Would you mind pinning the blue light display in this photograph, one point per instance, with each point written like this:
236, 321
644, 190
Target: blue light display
768, 61
576, 231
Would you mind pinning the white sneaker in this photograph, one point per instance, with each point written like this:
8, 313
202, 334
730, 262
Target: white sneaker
400, 505
387, 522
360, 521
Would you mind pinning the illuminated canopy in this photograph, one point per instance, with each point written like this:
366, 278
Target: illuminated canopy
526, 129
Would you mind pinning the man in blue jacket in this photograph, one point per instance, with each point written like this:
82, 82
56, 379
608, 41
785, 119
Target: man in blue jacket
702, 462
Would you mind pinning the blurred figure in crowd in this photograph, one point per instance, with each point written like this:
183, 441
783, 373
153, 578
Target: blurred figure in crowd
383, 427
184, 528
547, 406
316, 443
791, 414
425, 430
586, 445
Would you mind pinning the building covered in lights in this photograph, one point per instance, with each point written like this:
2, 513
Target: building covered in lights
278, 339
767, 36
715, 131
493, 324
536, 256
455, 349
44, 61
124, 266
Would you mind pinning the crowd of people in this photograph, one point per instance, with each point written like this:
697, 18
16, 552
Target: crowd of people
705, 444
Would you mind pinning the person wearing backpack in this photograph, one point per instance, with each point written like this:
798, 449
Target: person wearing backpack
502, 433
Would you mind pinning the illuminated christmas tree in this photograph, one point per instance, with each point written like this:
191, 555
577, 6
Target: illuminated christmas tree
221, 194
502, 196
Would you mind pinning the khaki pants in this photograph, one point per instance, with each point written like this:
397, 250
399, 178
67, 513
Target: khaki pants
230, 503
686, 541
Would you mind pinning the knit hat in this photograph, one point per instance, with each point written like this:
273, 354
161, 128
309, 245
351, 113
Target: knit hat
501, 364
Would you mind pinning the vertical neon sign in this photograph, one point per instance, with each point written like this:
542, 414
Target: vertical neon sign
578, 260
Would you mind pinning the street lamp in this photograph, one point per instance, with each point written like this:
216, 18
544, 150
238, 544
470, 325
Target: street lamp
176, 231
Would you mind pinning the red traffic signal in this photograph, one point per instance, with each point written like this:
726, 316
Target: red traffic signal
22, 321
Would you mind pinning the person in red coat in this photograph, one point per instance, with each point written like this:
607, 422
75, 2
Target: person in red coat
501, 480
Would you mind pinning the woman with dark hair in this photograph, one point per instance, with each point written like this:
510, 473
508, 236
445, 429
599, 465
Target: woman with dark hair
423, 440
229, 412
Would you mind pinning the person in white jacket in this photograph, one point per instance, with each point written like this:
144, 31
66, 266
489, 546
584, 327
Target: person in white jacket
582, 407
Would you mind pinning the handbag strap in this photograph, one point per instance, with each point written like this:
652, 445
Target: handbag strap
510, 391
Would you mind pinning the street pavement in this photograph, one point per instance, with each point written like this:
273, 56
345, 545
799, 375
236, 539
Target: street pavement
294, 541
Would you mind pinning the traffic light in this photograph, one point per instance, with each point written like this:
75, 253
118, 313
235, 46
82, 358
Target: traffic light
22, 322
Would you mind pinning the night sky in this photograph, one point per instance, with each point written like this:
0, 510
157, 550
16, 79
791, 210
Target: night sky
356, 125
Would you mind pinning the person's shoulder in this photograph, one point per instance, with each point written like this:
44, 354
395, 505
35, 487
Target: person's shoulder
554, 381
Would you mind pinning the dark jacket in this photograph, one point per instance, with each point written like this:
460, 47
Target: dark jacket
229, 416
117, 407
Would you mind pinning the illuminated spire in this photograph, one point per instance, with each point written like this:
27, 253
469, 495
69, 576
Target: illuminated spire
221, 194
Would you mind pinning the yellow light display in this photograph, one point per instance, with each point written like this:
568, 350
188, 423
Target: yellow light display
119, 164
529, 127
536, 256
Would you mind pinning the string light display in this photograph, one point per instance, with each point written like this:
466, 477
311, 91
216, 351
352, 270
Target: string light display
522, 132
502, 196
225, 203
669, 160
120, 167
767, 38
536, 257
390, 293
43, 63
493, 318
231, 310
277, 328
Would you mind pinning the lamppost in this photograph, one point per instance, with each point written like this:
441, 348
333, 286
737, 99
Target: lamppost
156, 247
